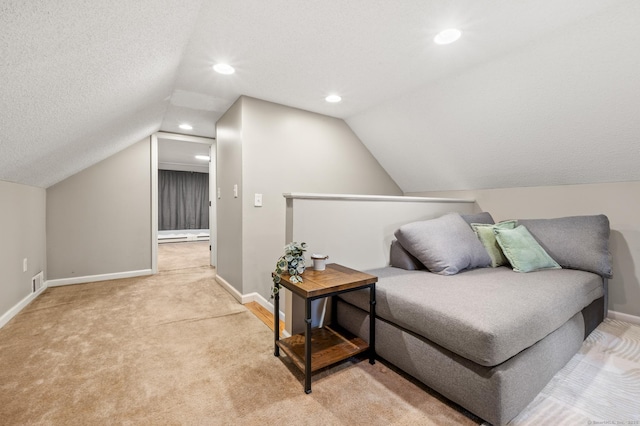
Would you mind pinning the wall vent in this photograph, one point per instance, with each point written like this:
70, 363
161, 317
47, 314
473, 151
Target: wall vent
37, 281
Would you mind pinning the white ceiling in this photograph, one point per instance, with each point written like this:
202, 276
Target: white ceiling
181, 155
535, 91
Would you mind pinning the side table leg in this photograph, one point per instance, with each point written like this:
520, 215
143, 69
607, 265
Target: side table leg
334, 310
307, 347
372, 324
276, 319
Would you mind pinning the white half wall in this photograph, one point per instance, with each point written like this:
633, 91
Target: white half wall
355, 231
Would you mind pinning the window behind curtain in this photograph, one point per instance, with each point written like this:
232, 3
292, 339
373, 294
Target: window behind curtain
183, 200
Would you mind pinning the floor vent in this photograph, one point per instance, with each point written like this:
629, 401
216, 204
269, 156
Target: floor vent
37, 281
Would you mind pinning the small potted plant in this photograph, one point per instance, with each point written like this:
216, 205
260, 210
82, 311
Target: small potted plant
292, 262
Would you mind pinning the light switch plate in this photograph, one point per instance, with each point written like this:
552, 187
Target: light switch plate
235, 191
257, 201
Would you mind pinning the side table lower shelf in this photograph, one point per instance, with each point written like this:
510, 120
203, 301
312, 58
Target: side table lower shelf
328, 346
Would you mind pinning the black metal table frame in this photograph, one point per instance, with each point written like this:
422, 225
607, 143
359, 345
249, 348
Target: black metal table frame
307, 331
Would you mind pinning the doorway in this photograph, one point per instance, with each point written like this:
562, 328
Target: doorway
183, 200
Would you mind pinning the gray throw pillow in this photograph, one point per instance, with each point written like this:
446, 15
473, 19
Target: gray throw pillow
575, 242
400, 258
446, 245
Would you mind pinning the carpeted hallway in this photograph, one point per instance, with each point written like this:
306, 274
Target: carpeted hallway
175, 348
172, 256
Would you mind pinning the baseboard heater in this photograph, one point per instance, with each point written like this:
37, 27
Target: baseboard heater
182, 238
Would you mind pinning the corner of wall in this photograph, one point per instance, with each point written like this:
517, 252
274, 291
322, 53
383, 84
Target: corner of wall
24, 208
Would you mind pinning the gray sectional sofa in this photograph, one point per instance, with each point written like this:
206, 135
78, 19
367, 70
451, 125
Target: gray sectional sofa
487, 338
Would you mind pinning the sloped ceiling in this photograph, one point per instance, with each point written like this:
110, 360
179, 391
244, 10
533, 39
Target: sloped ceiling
563, 109
181, 155
535, 92
82, 80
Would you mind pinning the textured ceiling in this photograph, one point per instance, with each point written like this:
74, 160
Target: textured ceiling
82, 80
535, 92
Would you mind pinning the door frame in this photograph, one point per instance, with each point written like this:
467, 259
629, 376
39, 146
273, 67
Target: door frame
154, 192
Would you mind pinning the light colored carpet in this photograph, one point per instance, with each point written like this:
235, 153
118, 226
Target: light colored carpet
172, 256
176, 348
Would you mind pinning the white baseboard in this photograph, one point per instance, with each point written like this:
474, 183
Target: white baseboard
624, 317
247, 298
7, 316
231, 289
101, 277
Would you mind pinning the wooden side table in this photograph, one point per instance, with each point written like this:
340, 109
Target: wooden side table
331, 344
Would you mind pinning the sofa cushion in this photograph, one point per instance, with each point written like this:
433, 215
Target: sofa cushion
522, 250
488, 239
482, 217
575, 242
400, 258
446, 245
485, 315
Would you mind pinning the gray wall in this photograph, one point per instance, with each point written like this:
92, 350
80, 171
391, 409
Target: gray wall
229, 209
99, 220
22, 227
619, 201
283, 150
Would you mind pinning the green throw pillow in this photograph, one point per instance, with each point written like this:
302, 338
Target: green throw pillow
488, 238
523, 251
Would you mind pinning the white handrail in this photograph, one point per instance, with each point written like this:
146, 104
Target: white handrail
355, 197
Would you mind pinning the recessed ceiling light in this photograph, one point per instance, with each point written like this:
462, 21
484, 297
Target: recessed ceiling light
333, 98
224, 69
203, 157
186, 126
447, 36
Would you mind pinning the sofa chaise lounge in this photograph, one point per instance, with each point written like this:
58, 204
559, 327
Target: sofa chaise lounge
487, 338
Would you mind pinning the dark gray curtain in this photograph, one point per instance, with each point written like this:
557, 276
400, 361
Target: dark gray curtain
183, 200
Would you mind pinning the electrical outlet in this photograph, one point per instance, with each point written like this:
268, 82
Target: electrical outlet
257, 201
24, 265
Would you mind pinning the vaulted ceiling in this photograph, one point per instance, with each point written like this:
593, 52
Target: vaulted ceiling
535, 92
